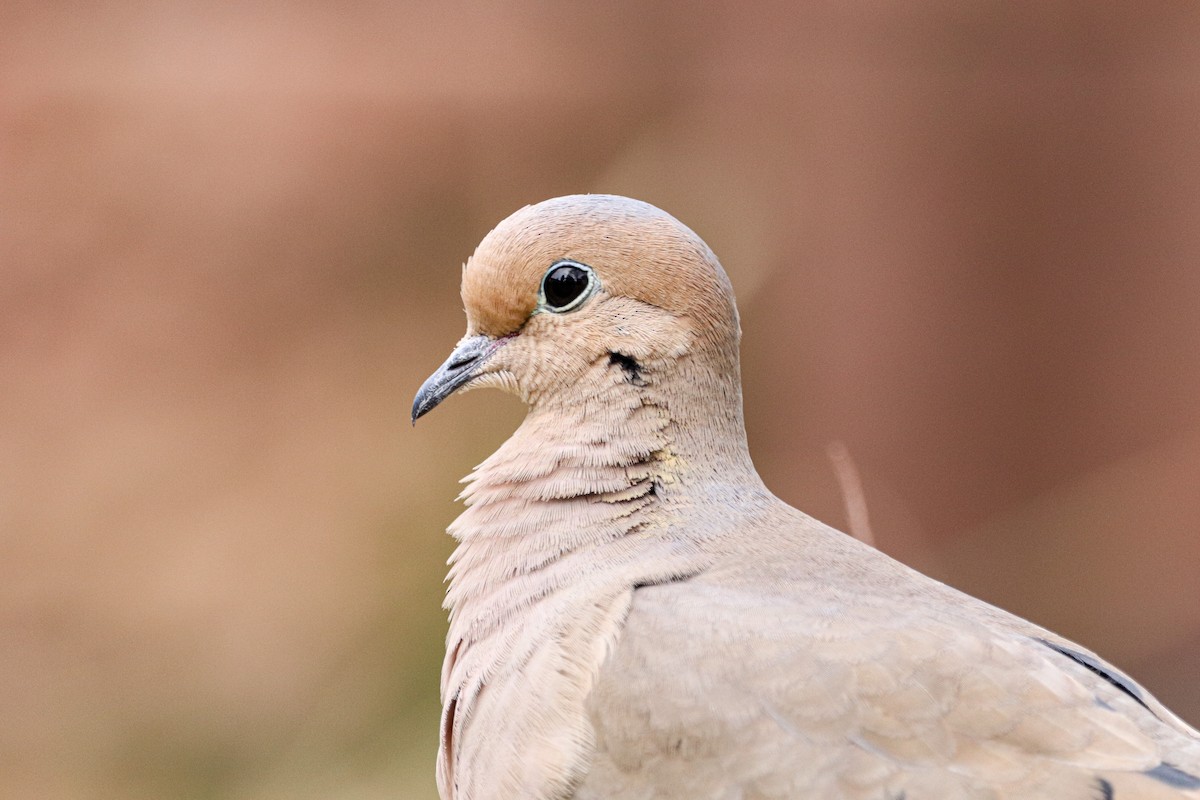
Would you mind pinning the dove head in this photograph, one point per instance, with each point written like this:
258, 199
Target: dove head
566, 294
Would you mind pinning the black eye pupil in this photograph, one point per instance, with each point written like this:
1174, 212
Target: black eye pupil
564, 284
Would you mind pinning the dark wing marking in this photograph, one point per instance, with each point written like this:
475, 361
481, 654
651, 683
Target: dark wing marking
1174, 776
1115, 678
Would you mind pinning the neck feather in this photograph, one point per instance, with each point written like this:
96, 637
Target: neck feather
593, 481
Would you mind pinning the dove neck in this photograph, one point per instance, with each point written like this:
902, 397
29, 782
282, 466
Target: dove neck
681, 415
608, 480
645, 435
706, 432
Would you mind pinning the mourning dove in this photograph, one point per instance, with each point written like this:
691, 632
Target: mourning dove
634, 615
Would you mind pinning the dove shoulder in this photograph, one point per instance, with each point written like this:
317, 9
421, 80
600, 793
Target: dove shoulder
803, 663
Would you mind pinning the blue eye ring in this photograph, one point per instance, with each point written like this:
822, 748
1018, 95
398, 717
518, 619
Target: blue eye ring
566, 285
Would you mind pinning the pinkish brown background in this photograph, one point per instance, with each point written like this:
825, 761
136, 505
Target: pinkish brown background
965, 238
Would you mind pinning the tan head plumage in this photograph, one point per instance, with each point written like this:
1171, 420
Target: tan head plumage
660, 292
638, 251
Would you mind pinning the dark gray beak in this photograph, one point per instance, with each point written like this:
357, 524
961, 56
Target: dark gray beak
462, 365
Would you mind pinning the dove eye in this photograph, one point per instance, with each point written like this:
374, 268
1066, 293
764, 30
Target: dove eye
566, 285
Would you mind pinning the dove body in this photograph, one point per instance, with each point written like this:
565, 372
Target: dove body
634, 615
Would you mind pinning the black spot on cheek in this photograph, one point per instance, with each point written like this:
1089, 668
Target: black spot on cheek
629, 365
1106, 789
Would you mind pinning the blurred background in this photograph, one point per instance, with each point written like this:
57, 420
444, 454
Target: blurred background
965, 239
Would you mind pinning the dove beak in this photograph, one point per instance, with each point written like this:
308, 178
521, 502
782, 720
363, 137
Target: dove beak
462, 365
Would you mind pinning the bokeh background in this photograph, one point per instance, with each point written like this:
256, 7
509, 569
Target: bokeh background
965, 239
